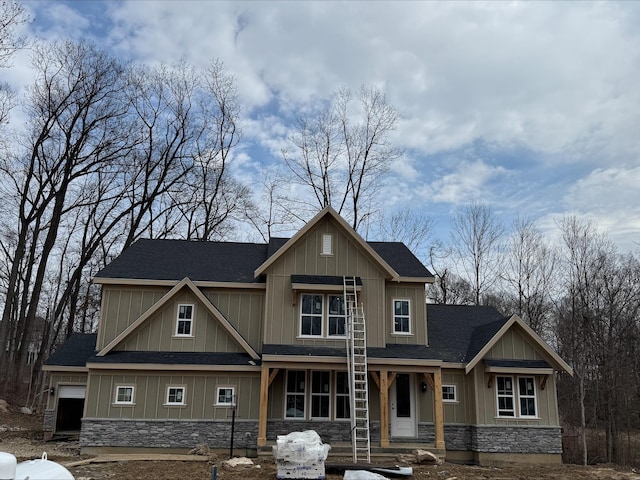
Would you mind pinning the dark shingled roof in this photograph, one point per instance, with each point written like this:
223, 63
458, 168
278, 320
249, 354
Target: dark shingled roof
458, 332
390, 351
492, 362
177, 259
225, 261
175, 358
75, 351
400, 258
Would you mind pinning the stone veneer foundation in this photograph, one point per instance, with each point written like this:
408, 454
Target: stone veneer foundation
217, 434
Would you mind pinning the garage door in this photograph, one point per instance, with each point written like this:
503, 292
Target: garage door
72, 391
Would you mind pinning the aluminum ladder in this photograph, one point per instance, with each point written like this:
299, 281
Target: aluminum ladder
357, 365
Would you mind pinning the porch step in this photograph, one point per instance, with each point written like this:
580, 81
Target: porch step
341, 451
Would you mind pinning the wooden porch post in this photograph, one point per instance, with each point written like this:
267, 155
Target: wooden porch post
264, 401
384, 409
438, 416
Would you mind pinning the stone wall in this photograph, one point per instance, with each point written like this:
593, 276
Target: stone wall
330, 432
515, 439
166, 433
49, 420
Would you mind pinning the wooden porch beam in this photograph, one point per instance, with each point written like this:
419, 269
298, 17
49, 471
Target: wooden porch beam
273, 375
429, 378
376, 378
265, 381
384, 409
437, 407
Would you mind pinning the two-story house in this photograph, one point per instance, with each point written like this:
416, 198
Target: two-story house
190, 331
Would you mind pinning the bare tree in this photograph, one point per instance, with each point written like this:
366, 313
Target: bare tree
407, 226
529, 275
75, 111
269, 214
342, 161
12, 15
476, 236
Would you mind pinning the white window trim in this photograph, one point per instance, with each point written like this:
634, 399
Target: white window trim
513, 396
535, 397
321, 316
515, 382
233, 394
455, 393
191, 320
393, 317
176, 404
324, 317
120, 402
326, 248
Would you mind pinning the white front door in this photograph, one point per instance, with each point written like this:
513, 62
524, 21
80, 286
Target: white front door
402, 406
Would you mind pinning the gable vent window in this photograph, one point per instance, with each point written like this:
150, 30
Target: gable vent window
327, 244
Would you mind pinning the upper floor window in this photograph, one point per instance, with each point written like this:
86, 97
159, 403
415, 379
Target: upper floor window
327, 244
401, 316
124, 395
520, 401
322, 313
184, 323
449, 393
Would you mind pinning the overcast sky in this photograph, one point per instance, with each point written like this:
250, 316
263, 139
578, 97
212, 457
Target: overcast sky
532, 108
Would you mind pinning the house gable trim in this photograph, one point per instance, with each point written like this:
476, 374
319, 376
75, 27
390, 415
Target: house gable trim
185, 282
559, 362
328, 211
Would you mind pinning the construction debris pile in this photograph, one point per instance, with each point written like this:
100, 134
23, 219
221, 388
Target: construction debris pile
300, 455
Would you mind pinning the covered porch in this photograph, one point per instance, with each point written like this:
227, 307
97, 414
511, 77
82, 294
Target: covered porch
405, 399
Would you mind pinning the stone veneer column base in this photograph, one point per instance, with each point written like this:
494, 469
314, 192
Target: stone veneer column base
100, 433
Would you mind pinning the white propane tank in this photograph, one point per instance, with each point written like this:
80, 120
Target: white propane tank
8, 464
42, 469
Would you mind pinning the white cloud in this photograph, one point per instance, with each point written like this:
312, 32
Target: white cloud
467, 182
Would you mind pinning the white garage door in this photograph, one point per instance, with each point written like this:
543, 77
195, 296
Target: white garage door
72, 391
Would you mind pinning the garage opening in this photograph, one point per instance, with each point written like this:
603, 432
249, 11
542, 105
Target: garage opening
70, 408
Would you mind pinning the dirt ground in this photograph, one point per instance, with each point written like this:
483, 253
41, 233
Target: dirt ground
21, 435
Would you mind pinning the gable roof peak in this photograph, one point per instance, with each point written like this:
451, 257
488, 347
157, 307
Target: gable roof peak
327, 211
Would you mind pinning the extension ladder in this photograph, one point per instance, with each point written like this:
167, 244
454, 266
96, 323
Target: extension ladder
357, 365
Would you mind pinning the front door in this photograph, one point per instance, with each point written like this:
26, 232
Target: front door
402, 406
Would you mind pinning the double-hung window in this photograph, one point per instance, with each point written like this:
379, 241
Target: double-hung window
322, 315
401, 316
342, 395
184, 324
516, 399
295, 397
527, 396
320, 394
312, 309
337, 315
505, 397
